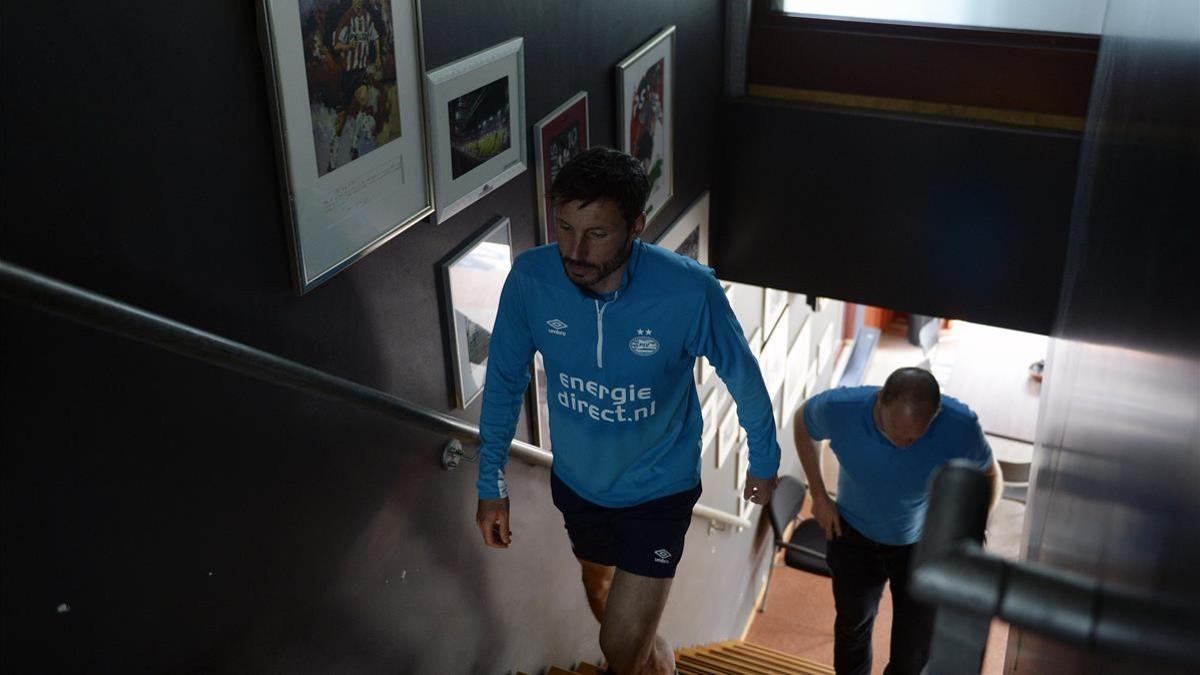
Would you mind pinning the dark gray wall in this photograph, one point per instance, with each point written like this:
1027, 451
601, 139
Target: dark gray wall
1118, 455
160, 515
941, 218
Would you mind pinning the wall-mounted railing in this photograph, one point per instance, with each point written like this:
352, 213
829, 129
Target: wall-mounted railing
969, 587
29, 288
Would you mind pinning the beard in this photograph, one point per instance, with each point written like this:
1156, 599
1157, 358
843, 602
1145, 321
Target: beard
599, 271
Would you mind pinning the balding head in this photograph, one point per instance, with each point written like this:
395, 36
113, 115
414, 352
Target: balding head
907, 405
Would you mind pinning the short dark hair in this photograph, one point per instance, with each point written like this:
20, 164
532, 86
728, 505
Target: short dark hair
604, 173
912, 386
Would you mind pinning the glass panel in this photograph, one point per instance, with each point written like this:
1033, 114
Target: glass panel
1055, 16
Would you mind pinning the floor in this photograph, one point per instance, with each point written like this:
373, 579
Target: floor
809, 633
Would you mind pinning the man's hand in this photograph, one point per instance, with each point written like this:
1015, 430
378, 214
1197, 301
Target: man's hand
758, 490
492, 519
826, 513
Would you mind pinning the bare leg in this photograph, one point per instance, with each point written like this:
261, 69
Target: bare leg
597, 580
627, 633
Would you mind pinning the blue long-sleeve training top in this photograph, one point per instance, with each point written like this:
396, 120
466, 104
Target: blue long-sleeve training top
625, 419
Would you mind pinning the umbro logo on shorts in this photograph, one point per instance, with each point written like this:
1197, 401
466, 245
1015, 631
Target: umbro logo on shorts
662, 556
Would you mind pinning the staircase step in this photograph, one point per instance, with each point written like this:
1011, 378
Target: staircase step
555, 670
585, 668
793, 663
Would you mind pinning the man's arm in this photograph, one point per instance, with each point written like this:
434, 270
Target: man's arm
824, 508
718, 336
509, 353
997, 477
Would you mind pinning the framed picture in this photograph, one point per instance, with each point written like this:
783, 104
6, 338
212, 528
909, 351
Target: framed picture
704, 370
476, 109
755, 342
810, 380
688, 236
797, 369
708, 410
773, 360
557, 138
472, 277
645, 96
540, 419
825, 348
347, 99
774, 302
728, 431
742, 453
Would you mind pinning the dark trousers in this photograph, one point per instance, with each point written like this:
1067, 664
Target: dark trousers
860, 568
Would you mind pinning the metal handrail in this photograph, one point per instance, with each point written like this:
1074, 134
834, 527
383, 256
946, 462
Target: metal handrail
55, 297
969, 586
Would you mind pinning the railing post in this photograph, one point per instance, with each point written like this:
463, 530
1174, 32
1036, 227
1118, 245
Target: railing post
954, 526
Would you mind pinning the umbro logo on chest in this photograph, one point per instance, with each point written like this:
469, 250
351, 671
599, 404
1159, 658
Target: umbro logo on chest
557, 327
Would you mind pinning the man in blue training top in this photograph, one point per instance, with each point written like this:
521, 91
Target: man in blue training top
619, 324
888, 442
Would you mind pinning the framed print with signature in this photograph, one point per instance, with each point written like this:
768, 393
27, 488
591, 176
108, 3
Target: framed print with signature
346, 90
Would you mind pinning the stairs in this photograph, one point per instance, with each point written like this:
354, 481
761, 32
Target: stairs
733, 657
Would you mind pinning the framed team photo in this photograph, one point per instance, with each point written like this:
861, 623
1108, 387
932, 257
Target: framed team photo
472, 277
646, 93
557, 138
348, 103
688, 235
476, 109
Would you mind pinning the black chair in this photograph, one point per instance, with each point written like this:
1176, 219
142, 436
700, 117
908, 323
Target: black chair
805, 550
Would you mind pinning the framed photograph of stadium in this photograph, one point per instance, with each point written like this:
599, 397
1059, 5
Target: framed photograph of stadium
476, 110
688, 235
557, 138
646, 108
346, 89
472, 277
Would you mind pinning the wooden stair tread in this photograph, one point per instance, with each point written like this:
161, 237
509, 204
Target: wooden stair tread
555, 670
585, 668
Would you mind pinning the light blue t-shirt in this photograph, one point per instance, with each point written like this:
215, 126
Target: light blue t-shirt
883, 490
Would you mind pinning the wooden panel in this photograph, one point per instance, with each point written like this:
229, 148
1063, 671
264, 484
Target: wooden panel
1035, 72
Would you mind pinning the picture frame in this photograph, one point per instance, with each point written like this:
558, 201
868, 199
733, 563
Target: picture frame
728, 430
810, 381
773, 359
540, 405
825, 348
797, 368
742, 453
472, 277
774, 302
349, 129
557, 138
708, 411
476, 112
756, 343
688, 235
646, 109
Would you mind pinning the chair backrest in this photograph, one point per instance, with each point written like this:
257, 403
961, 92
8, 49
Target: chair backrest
785, 504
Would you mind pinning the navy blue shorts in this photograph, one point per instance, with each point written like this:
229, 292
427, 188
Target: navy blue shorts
644, 539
